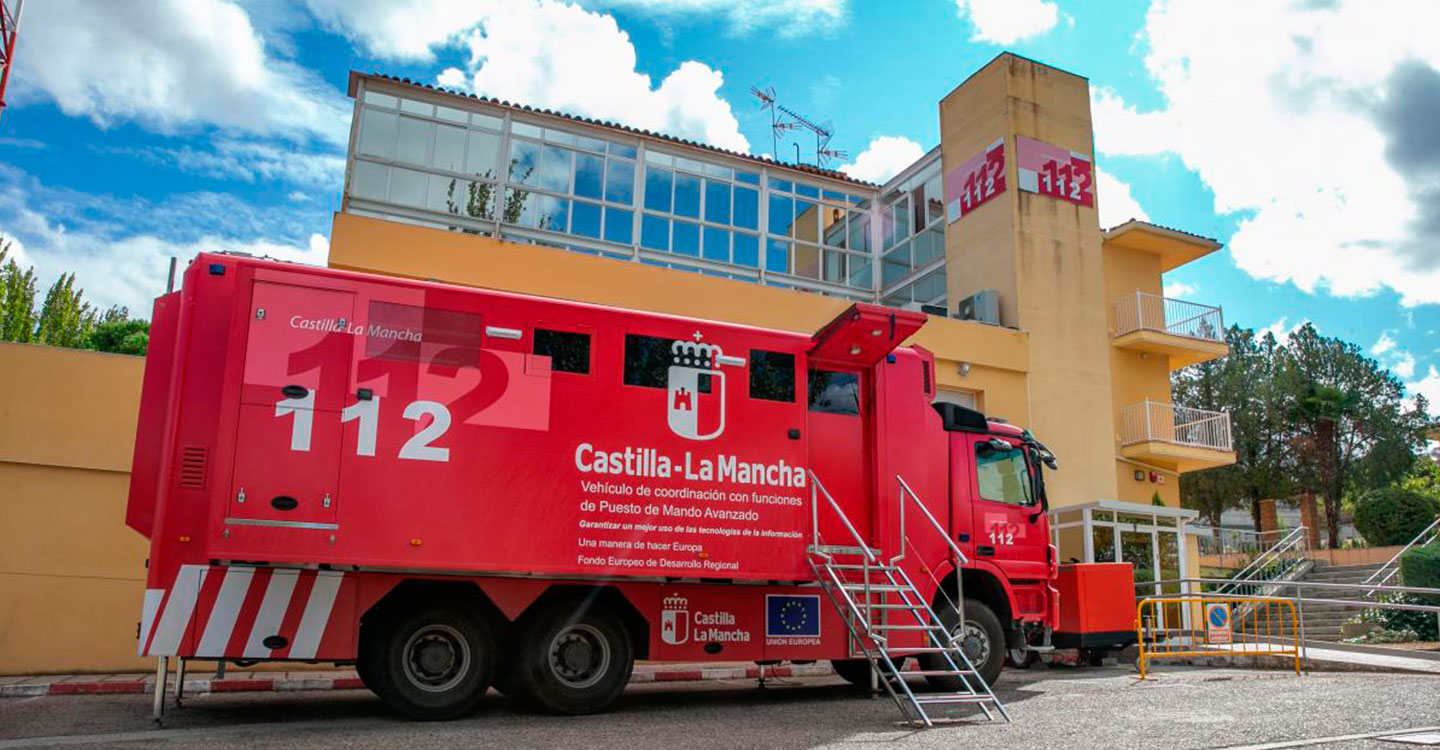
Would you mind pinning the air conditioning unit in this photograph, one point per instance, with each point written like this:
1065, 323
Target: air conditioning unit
982, 306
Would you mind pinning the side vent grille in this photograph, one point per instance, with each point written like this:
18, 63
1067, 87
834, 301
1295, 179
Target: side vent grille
193, 459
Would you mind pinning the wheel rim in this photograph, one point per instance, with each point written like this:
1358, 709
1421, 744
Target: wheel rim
1019, 655
579, 656
975, 642
436, 658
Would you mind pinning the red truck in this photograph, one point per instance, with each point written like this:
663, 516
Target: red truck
455, 488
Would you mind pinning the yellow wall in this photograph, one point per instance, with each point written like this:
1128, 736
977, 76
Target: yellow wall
1043, 256
71, 573
1136, 375
998, 357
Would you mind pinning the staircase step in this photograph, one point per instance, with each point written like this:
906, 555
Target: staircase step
874, 587
855, 566
908, 627
931, 700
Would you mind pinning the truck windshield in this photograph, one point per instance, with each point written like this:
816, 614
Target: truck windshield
1002, 475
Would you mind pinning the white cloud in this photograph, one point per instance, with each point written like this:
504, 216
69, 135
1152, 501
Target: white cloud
1317, 135
1179, 290
785, 18
1008, 21
546, 54
250, 161
171, 65
1394, 357
1383, 344
413, 29
1280, 330
119, 249
1116, 204
453, 78
1429, 387
883, 158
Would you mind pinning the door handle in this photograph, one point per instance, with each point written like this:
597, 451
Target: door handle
985, 551
964, 537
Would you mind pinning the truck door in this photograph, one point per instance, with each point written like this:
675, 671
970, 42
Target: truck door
837, 416
287, 451
1005, 526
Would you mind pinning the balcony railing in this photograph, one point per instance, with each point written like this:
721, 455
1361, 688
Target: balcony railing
1149, 421
1151, 312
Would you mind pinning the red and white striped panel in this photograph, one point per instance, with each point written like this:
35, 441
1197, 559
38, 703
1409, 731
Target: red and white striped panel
229, 612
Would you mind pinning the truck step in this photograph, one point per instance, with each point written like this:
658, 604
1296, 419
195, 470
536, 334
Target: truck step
882, 626
937, 673
878, 568
874, 587
926, 700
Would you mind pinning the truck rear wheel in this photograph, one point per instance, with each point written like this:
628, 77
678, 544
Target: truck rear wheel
983, 642
574, 658
430, 662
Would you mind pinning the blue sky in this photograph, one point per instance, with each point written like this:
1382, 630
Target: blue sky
1303, 138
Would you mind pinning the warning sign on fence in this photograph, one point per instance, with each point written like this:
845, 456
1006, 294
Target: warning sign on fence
1217, 623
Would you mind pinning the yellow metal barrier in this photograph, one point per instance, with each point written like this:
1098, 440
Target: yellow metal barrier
1188, 626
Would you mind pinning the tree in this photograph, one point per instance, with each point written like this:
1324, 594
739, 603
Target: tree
17, 299
1243, 384
117, 332
65, 317
1351, 430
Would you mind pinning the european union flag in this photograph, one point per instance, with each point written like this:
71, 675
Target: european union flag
792, 616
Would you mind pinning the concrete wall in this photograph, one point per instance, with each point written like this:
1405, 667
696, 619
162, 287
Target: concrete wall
71, 573
1043, 256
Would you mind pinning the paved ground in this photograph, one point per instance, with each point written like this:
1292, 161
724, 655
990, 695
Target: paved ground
1053, 708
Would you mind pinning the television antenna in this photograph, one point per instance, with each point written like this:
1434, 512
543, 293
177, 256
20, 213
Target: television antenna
784, 119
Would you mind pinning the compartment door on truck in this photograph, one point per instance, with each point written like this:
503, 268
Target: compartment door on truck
837, 417
287, 454
1005, 527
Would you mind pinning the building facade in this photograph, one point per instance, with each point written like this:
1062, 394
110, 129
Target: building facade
1038, 315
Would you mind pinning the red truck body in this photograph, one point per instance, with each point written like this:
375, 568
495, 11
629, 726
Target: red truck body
316, 446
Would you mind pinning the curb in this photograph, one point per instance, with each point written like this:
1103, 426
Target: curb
282, 682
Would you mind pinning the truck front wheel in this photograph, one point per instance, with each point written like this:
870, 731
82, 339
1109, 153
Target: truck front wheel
573, 658
430, 662
981, 638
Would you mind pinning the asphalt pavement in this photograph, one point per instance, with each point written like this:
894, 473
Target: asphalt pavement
1054, 708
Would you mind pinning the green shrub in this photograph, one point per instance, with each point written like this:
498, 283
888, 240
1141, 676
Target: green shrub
1420, 567
1397, 620
1394, 515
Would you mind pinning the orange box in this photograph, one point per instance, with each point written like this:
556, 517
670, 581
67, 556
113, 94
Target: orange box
1097, 606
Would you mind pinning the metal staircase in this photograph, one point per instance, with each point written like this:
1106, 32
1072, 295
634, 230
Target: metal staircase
876, 599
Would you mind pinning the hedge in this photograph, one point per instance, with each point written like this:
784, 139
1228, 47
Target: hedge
1420, 567
1394, 515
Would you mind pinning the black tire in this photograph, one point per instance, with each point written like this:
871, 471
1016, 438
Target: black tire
854, 671
572, 657
984, 644
1020, 658
429, 661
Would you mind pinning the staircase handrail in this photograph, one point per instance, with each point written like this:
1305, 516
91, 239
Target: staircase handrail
1286, 543
905, 491
817, 489
1391, 567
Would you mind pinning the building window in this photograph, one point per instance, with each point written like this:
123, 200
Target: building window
772, 376
422, 157
568, 351
647, 360
834, 392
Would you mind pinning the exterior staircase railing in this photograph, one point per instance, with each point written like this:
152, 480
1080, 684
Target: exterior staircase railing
865, 589
1285, 560
1391, 568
